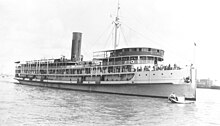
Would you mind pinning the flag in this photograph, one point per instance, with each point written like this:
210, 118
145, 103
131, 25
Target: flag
194, 44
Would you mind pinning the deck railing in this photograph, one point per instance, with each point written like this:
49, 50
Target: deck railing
127, 62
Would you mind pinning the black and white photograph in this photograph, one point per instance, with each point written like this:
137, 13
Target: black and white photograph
109, 62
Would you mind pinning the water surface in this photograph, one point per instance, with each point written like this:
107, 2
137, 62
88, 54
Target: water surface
30, 105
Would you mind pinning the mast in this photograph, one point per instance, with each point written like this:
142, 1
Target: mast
117, 25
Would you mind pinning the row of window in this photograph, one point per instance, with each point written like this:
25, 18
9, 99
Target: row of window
139, 49
154, 74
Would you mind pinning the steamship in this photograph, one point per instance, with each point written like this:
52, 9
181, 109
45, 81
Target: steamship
128, 71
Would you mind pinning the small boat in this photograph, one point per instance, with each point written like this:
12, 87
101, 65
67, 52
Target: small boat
179, 100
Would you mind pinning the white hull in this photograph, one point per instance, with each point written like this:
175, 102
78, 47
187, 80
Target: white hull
161, 90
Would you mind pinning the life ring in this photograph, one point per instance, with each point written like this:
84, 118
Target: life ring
132, 61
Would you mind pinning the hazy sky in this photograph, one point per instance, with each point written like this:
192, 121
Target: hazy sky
37, 29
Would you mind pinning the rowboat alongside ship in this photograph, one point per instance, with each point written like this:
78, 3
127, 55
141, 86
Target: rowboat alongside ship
178, 99
129, 71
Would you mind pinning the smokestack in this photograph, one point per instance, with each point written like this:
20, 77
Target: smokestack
76, 46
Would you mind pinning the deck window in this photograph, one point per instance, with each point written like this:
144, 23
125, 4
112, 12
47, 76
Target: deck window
134, 58
140, 49
134, 49
143, 58
145, 50
150, 58
126, 50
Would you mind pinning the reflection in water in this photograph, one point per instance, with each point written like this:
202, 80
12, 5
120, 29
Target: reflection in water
29, 105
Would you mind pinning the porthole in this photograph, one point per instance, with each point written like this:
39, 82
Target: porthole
162, 74
146, 74
153, 74
171, 73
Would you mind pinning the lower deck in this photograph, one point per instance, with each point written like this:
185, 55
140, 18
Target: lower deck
169, 76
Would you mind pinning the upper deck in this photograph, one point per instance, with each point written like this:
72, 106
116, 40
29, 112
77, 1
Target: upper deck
126, 52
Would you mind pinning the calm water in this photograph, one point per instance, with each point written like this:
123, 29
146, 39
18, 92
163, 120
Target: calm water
28, 105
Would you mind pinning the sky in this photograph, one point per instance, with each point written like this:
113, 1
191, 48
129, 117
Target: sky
38, 29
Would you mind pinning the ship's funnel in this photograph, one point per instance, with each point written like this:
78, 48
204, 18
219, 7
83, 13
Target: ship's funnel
76, 46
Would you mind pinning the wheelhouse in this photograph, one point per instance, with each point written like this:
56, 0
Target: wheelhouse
129, 56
